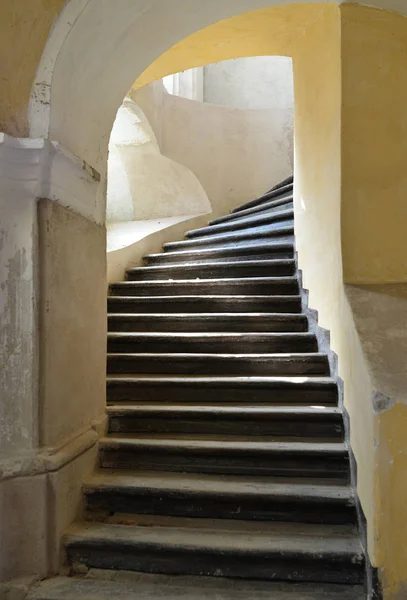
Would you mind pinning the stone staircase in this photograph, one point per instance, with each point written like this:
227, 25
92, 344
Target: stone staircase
225, 454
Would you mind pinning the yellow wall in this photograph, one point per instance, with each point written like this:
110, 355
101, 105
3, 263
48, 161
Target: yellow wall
24, 28
374, 242
374, 148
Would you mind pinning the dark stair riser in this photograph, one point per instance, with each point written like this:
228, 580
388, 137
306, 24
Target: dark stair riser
258, 286
163, 391
270, 218
209, 322
267, 269
271, 206
224, 461
222, 343
265, 251
283, 230
156, 559
178, 503
217, 364
204, 304
282, 425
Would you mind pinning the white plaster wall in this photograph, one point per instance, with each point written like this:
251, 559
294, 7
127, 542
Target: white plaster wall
142, 183
259, 82
236, 154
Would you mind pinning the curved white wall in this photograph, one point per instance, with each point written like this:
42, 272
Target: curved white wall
236, 154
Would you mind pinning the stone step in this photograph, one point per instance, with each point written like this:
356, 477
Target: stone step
203, 304
250, 251
210, 270
144, 586
281, 230
267, 218
211, 342
220, 497
240, 455
272, 194
268, 390
269, 551
182, 287
223, 419
218, 364
272, 205
225, 322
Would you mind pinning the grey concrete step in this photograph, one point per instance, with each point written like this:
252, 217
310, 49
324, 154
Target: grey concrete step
210, 270
143, 586
218, 364
224, 419
272, 205
226, 285
283, 191
211, 389
214, 342
225, 322
220, 497
240, 455
267, 218
204, 304
264, 250
280, 230
268, 551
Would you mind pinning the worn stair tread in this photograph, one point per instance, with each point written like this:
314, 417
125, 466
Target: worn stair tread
139, 586
282, 363
242, 249
220, 319
213, 265
266, 206
241, 411
210, 335
195, 356
212, 342
131, 482
223, 536
199, 297
219, 443
253, 380
282, 228
200, 302
231, 280
242, 223
283, 191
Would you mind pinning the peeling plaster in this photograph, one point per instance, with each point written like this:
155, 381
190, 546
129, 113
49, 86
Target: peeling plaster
381, 402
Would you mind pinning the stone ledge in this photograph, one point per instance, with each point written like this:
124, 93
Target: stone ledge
51, 459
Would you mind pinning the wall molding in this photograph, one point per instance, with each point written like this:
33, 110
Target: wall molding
49, 459
39, 168
39, 108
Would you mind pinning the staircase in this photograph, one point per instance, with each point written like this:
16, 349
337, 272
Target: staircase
225, 454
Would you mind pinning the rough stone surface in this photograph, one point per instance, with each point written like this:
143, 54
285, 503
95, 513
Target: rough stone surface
153, 587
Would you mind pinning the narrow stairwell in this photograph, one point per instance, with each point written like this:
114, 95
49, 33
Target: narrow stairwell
225, 454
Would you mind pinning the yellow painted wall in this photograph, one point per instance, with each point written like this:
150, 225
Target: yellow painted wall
374, 145
374, 242
24, 28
